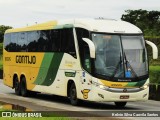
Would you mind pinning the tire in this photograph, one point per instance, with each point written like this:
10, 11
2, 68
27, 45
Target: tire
24, 91
31, 93
73, 95
120, 104
17, 86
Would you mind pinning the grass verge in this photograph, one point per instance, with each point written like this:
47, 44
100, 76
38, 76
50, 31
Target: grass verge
31, 118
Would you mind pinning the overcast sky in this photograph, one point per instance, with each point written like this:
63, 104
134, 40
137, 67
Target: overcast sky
19, 13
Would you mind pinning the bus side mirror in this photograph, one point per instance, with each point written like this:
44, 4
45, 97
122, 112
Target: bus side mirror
154, 49
91, 47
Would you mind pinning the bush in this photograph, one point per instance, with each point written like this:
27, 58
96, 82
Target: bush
1, 48
154, 72
1, 60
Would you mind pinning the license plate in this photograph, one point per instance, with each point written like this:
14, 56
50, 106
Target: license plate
124, 97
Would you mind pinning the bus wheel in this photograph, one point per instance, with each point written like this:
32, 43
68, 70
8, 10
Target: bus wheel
73, 94
24, 90
17, 86
120, 104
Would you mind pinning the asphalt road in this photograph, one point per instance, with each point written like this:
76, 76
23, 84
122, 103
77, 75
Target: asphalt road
42, 102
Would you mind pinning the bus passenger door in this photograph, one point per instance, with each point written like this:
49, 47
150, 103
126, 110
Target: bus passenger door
85, 61
86, 65
85, 83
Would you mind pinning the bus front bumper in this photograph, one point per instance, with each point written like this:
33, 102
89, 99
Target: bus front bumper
98, 94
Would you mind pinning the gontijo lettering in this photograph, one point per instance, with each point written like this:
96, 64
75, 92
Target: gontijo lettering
26, 59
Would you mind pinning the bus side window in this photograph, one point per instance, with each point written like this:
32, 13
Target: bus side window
84, 49
22, 42
67, 42
7, 40
33, 41
55, 40
42, 38
13, 43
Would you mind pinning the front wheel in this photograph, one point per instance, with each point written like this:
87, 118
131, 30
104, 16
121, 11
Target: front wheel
120, 104
73, 95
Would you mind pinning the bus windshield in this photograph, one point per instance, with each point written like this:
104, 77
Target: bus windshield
120, 56
135, 55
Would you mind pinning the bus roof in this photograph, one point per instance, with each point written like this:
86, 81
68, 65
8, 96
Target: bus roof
96, 25
42, 26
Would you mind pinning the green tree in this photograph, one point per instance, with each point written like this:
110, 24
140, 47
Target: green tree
3, 28
147, 21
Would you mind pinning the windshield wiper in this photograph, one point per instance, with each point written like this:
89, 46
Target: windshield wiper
117, 66
128, 66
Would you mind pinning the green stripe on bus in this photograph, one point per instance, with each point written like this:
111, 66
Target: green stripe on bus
131, 84
140, 83
43, 70
53, 69
136, 84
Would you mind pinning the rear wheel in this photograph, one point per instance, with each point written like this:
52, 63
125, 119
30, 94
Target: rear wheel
73, 94
17, 86
120, 104
24, 91
31, 93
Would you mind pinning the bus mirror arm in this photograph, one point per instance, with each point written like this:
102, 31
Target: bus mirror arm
91, 47
154, 49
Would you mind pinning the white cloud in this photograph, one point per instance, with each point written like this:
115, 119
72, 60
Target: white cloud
18, 13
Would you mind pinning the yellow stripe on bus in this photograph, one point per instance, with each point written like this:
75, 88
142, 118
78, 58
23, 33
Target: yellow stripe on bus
43, 26
115, 84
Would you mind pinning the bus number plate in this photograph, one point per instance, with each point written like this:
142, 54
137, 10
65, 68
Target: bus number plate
124, 97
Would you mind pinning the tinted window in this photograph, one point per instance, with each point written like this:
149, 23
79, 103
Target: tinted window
7, 40
60, 40
84, 48
44, 41
13, 43
32, 41
22, 41
56, 40
67, 43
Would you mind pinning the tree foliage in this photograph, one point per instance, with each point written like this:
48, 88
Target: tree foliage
3, 28
147, 21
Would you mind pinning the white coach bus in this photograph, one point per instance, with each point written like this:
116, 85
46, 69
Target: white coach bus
87, 59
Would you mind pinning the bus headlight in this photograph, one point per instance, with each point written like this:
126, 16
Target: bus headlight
145, 86
100, 86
